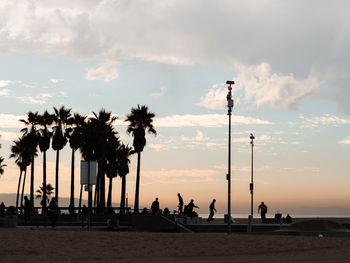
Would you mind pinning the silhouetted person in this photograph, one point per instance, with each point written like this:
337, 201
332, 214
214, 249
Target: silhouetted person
262, 210
53, 210
288, 219
190, 207
26, 209
212, 209
181, 203
155, 207
84, 212
2, 209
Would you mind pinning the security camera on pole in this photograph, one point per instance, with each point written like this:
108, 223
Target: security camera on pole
228, 176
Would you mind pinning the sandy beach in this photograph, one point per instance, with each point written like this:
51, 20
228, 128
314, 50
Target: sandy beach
19, 245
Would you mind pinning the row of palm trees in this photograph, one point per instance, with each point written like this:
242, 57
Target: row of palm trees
97, 140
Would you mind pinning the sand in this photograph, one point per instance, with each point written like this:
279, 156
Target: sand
19, 245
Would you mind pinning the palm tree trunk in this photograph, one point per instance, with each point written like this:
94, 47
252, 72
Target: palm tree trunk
56, 179
122, 198
19, 185
137, 191
44, 184
32, 185
24, 183
71, 205
103, 187
109, 199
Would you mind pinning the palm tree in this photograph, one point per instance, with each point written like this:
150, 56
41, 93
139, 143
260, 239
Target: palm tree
140, 120
22, 152
2, 166
111, 154
74, 135
44, 192
102, 124
31, 120
59, 138
124, 152
44, 138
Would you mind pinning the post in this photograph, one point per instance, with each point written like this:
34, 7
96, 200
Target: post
89, 197
251, 186
230, 106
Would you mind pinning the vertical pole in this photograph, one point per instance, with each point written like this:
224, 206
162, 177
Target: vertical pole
89, 197
252, 186
229, 175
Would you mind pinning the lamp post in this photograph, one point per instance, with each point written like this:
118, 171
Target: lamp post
228, 176
251, 186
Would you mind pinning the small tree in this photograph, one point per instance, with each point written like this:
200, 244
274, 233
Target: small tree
40, 192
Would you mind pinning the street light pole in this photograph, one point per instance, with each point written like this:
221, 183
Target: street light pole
228, 176
251, 186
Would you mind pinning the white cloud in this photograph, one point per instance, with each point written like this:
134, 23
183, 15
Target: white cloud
9, 136
38, 99
159, 94
4, 92
56, 80
345, 141
5, 83
107, 71
323, 120
10, 121
205, 120
215, 99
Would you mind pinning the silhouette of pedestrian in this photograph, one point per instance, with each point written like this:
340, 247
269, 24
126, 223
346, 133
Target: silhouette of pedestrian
53, 211
262, 210
2, 209
155, 207
181, 203
212, 209
288, 219
190, 207
26, 209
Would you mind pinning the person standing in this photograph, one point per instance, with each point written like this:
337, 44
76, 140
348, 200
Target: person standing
212, 209
155, 207
181, 203
262, 210
2, 209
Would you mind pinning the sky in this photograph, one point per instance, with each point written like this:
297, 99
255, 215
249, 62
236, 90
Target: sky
289, 60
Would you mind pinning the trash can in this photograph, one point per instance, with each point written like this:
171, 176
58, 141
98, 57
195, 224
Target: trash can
11, 217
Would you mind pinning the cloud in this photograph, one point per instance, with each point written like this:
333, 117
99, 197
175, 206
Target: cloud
159, 94
215, 99
56, 80
107, 71
39, 99
11, 121
9, 136
4, 92
345, 141
5, 83
265, 33
323, 120
206, 120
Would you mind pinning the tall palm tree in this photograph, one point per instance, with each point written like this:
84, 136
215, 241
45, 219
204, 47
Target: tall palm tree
111, 155
59, 138
140, 120
22, 152
102, 123
74, 135
31, 121
124, 153
44, 138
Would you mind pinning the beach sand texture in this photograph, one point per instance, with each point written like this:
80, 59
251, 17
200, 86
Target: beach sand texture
18, 245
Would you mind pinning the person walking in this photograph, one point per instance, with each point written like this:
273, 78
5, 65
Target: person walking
212, 209
181, 203
155, 207
262, 210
